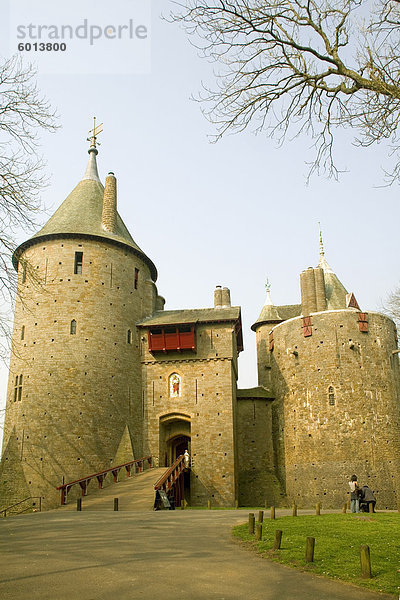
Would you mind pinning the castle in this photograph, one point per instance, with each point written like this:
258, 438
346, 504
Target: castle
100, 374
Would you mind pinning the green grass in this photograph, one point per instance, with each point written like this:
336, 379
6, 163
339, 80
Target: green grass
338, 538
244, 508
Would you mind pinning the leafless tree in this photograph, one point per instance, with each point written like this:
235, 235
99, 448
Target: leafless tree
23, 113
392, 306
293, 66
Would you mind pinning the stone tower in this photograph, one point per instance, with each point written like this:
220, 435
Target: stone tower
335, 377
74, 402
190, 365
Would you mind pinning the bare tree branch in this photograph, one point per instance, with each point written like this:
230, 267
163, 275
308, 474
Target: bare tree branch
292, 66
23, 113
392, 306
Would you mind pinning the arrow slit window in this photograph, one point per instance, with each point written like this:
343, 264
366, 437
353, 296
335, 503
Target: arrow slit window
331, 396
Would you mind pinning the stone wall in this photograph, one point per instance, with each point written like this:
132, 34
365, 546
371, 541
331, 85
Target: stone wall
205, 410
80, 390
263, 356
258, 484
337, 408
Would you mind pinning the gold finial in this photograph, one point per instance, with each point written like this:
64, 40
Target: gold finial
321, 244
94, 133
268, 286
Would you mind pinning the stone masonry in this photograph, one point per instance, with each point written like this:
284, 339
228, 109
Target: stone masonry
101, 374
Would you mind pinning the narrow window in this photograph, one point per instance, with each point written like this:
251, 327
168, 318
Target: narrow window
331, 396
78, 263
72, 328
129, 337
18, 388
23, 332
136, 278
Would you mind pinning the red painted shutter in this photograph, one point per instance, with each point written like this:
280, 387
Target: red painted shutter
271, 342
363, 322
307, 328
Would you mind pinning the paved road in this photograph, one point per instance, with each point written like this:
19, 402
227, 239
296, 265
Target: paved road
180, 555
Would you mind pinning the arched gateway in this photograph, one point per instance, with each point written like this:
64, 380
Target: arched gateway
174, 432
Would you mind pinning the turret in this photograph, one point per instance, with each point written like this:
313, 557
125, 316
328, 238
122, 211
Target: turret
268, 317
76, 359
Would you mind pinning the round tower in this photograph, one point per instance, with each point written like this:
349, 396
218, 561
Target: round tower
74, 402
336, 381
337, 406
268, 317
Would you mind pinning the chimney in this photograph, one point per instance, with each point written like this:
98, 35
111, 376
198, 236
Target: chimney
320, 295
226, 297
109, 216
160, 302
218, 297
308, 295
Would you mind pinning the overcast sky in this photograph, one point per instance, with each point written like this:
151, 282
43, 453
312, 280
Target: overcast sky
231, 213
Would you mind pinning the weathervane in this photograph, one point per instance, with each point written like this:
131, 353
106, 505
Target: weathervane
94, 133
268, 285
321, 244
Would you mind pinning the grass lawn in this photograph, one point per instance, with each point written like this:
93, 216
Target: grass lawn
338, 538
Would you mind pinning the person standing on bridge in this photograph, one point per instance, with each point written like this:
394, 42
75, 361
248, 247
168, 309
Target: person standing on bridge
186, 459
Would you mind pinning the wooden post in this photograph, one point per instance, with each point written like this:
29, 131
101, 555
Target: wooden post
260, 516
277, 540
236, 504
318, 508
79, 504
209, 504
272, 512
310, 543
182, 504
344, 509
294, 510
259, 531
370, 507
251, 523
115, 503
365, 559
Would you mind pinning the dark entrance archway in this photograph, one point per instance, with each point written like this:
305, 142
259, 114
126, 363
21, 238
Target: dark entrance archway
179, 445
174, 440
174, 437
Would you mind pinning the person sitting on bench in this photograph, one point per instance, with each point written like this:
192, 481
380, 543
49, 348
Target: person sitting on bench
366, 498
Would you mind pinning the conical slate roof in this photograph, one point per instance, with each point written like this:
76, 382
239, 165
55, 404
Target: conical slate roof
269, 313
335, 291
81, 215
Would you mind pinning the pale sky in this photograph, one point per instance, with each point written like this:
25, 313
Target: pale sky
231, 213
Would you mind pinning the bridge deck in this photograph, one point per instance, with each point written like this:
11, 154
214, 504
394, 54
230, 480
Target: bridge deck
134, 493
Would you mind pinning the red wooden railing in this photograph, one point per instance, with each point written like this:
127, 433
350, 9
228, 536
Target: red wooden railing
101, 475
172, 481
